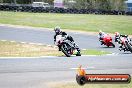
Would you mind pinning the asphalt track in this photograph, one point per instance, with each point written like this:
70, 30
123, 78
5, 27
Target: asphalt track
40, 71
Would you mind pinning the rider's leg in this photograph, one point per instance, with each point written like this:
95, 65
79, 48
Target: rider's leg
75, 45
70, 38
101, 40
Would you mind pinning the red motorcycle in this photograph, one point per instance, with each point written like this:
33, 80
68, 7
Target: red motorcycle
107, 40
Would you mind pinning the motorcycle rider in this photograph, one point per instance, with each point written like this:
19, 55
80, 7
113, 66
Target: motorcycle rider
118, 38
101, 36
64, 34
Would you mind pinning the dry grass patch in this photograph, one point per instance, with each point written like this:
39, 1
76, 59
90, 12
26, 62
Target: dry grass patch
14, 49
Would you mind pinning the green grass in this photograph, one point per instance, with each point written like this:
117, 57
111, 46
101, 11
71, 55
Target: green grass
84, 22
16, 49
75, 85
94, 52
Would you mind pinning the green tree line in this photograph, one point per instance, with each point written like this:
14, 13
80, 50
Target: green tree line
25, 1
80, 4
97, 4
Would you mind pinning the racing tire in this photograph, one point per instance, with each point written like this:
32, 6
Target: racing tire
129, 46
113, 45
65, 52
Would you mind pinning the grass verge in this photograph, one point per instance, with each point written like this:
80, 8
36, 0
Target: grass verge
75, 85
16, 49
94, 52
83, 22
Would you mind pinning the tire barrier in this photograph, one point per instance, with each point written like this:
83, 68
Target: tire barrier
60, 10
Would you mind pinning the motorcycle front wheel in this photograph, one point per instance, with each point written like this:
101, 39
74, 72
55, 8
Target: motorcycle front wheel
113, 45
129, 46
64, 50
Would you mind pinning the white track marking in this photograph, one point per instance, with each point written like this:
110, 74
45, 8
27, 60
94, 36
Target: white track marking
32, 43
3, 40
40, 44
12, 41
49, 45
23, 42
83, 68
53, 47
43, 57
28, 57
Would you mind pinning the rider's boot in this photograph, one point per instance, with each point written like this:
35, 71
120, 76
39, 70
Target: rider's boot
78, 50
124, 49
59, 48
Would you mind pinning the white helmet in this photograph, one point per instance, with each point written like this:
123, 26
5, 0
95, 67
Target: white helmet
100, 32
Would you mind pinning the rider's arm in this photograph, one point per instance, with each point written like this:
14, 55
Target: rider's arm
64, 33
124, 35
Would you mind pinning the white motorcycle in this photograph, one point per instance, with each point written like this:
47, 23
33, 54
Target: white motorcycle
66, 46
125, 43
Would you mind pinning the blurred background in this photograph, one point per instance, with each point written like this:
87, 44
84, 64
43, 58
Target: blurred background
69, 6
